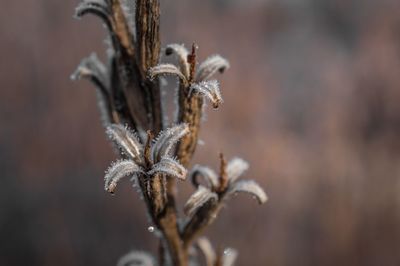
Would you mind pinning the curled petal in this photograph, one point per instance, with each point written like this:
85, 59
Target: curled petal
206, 248
248, 186
236, 167
209, 89
136, 258
198, 199
92, 68
126, 141
229, 257
182, 53
208, 174
166, 69
210, 66
169, 167
117, 171
96, 7
166, 140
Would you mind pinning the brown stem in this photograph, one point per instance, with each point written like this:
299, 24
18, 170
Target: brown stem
148, 53
189, 112
223, 177
169, 226
203, 217
219, 260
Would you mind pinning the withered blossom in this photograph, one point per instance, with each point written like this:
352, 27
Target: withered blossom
159, 161
199, 82
221, 187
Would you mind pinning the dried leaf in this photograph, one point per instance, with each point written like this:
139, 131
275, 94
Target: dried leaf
198, 199
126, 141
169, 167
208, 251
99, 8
210, 66
166, 69
208, 174
236, 167
117, 171
92, 68
248, 186
229, 257
104, 106
209, 89
136, 258
182, 53
166, 140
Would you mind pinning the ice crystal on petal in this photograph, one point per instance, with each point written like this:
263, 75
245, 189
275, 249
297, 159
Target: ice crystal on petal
229, 257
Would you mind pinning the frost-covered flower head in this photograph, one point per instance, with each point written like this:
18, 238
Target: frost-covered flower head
220, 188
152, 158
198, 81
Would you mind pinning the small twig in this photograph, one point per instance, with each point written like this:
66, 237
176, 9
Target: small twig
192, 62
223, 178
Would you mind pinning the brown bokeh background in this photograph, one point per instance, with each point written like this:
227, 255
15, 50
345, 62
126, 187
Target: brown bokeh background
312, 101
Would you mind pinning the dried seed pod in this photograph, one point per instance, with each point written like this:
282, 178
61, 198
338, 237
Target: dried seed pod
248, 186
166, 140
198, 199
210, 89
169, 167
118, 170
126, 141
166, 69
210, 66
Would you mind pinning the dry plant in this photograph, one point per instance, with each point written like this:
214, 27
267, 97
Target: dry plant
153, 153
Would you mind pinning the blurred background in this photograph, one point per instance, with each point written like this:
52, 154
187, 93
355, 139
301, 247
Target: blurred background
312, 101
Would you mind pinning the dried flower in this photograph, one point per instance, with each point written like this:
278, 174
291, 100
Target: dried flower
160, 160
208, 89
235, 168
129, 97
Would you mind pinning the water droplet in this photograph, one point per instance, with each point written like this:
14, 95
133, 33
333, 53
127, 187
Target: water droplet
227, 251
150, 229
